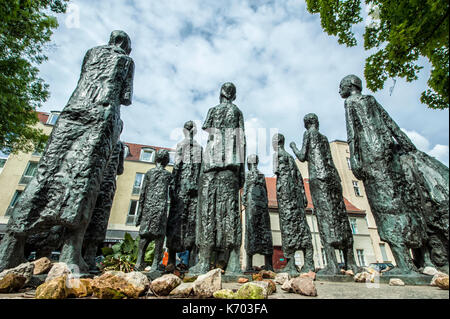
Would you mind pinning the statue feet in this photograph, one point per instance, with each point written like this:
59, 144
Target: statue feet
199, 269
329, 270
402, 272
291, 268
11, 252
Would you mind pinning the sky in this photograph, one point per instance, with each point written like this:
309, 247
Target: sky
275, 52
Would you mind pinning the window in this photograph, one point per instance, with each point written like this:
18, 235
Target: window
361, 260
147, 155
13, 203
171, 158
38, 153
126, 151
3, 159
348, 163
53, 118
324, 257
29, 173
132, 212
353, 225
138, 183
383, 252
356, 188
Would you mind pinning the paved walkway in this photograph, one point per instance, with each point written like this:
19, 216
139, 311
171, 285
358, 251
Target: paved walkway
331, 290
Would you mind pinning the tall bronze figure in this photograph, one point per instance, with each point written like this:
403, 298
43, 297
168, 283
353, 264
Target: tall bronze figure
156, 193
183, 209
218, 225
258, 233
376, 145
96, 231
431, 178
292, 201
71, 169
326, 193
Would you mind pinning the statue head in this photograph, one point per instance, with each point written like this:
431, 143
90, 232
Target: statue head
228, 92
349, 84
252, 161
162, 157
277, 141
120, 39
189, 129
311, 119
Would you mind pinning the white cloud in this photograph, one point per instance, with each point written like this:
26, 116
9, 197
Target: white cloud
440, 152
275, 52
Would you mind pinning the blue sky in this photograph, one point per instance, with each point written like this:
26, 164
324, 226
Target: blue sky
282, 63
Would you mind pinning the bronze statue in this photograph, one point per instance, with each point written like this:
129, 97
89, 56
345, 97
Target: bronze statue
71, 169
218, 226
258, 233
157, 189
292, 201
96, 232
376, 145
326, 193
183, 209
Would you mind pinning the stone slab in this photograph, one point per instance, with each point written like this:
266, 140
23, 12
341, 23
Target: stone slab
235, 278
418, 280
334, 278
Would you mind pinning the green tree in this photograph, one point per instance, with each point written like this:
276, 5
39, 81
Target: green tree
25, 29
401, 31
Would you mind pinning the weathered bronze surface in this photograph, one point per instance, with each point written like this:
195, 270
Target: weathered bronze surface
326, 192
96, 232
376, 146
218, 225
156, 192
183, 209
431, 178
292, 201
258, 233
71, 169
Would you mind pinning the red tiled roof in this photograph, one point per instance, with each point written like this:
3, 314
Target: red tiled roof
135, 149
43, 117
271, 183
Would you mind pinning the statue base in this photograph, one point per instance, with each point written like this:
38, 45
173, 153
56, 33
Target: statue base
411, 280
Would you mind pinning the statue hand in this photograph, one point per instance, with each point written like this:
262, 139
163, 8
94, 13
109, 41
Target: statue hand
293, 145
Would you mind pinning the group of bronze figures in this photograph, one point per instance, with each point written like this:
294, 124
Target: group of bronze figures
197, 207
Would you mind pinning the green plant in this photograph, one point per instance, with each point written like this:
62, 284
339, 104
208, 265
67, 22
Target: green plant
123, 255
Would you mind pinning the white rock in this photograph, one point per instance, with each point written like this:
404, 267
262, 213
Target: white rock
183, 290
58, 270
138, 280
436, 276
396, 282
431, 271
25, 270
205, 285
163, 285
287, 286
264, 285
281, 278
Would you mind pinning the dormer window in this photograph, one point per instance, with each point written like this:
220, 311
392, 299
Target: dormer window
147, 155
126, 151
53, 117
